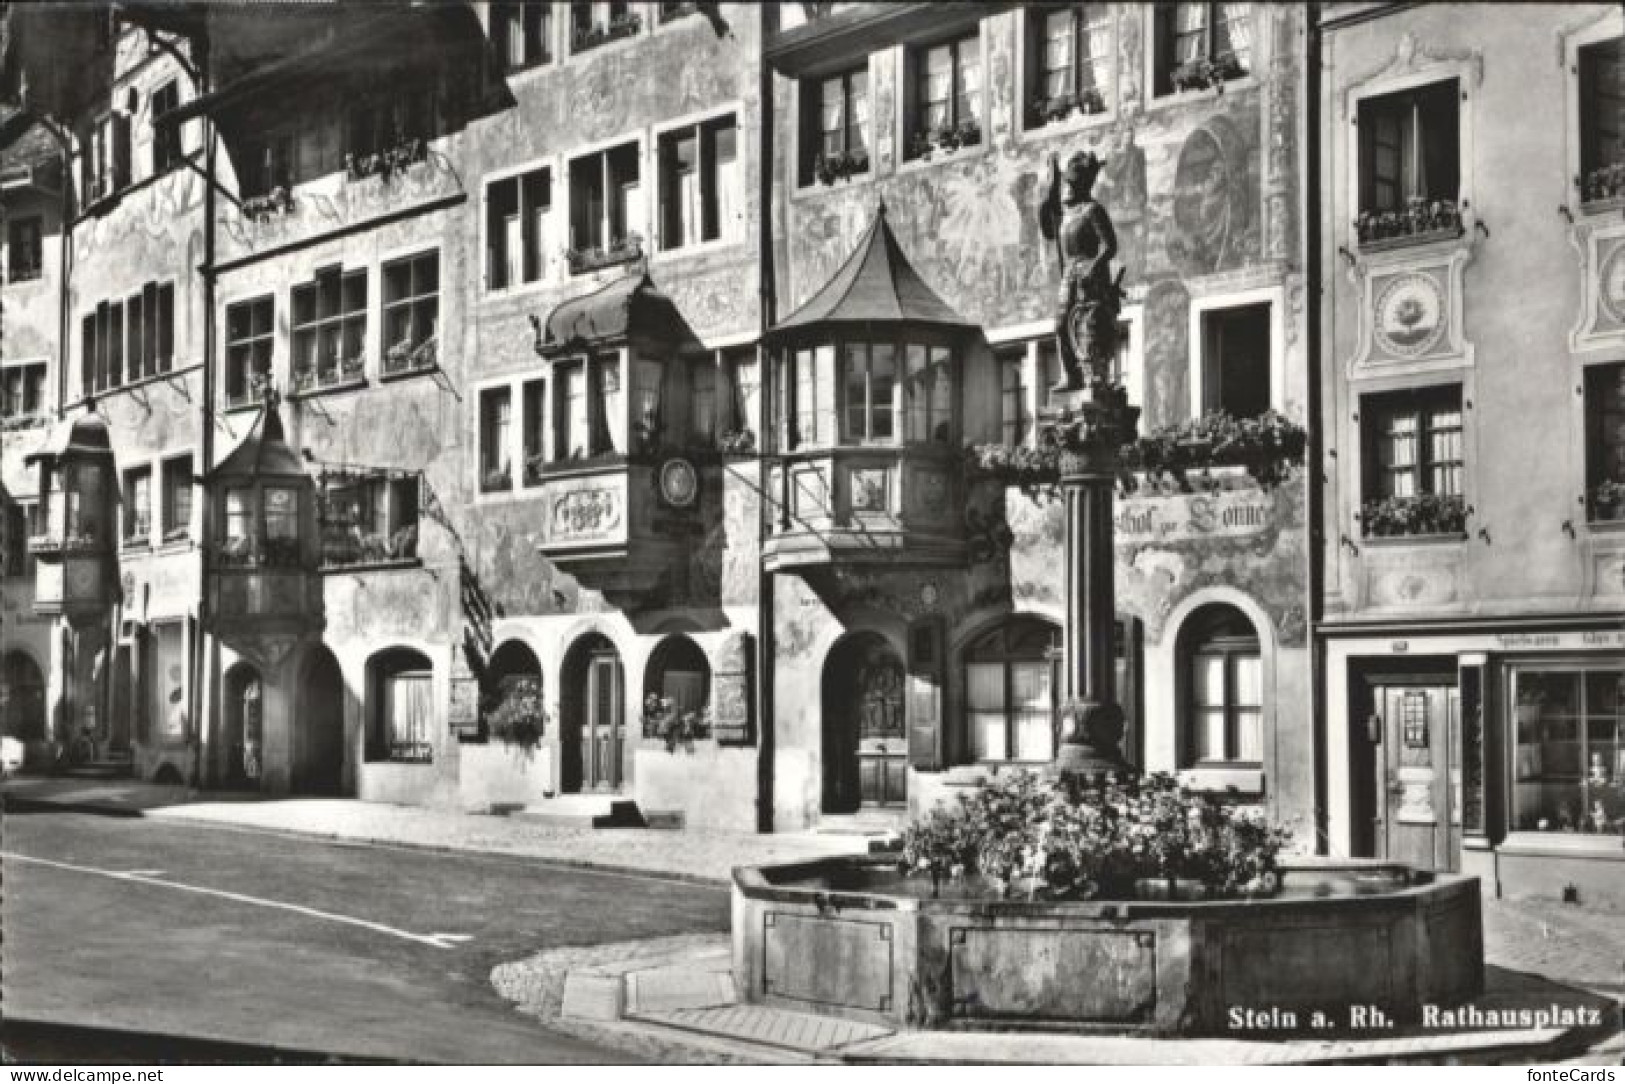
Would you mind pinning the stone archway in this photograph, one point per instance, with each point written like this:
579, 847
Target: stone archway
22, 698
865, 737
318, 733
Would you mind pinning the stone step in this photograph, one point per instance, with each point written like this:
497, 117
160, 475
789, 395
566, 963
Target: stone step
765, 1026
583, 811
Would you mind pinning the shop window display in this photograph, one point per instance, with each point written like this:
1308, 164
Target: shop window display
1569, 760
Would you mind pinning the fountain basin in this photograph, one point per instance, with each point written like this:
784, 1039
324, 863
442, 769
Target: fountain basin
851, 938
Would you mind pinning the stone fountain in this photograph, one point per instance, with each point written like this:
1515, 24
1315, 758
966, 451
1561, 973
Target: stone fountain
856, 939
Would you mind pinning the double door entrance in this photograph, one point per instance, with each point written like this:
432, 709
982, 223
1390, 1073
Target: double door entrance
1406, 767
594, 735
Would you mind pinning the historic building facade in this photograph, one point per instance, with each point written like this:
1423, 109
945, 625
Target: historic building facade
1471, 346
918, 586
568, 416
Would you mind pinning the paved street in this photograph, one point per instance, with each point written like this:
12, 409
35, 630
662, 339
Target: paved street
309, 945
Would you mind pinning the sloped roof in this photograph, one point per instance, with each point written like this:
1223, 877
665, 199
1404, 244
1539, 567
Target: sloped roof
264, 452
630, 304
84, 435
876, 285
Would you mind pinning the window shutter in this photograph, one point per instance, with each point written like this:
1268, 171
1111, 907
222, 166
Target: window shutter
121, 151
925, 698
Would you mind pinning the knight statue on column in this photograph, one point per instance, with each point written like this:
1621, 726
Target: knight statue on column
1086, 321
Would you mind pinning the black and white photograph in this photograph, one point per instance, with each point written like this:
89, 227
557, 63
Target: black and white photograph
786, 534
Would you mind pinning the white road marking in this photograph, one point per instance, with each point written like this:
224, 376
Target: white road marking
438, 940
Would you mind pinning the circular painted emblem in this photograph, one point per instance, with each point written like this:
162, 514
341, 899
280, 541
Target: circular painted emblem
1409, 316
1613, 284
679, 484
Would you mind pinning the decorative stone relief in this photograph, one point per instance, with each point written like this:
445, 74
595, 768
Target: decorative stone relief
586, 514
1415, 577
1411, 311
868, 486
1601, 252
730, 689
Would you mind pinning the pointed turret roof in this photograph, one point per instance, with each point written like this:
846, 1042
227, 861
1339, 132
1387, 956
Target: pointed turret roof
264, 452
876, 285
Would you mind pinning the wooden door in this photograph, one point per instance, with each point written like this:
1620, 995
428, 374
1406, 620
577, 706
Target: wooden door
605, 730
882, 735
1418, 772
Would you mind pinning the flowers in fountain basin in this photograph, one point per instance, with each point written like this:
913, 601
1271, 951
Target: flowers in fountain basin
1061, 840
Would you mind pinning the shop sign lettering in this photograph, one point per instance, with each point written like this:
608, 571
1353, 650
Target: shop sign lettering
1237, 514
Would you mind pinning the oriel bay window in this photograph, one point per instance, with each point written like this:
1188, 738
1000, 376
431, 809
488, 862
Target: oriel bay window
604, 193
885, 392
329, 329
260, 526
945, 105
869, 380
1070, 68
701, 184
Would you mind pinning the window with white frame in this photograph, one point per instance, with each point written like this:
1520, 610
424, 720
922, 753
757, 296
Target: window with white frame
22, 391
129, 340
1605, 441
604, 194
516, 233
745, 385
250, 337
1223, 672
105, 157
496, 422
1070, 62
176, 509
928, 393
598, 23
329, 329
1200, 45
533, 422
369, 519
869, 392
1010, 682
1410, 162
1236, 361
25, 248
137, 512
701, 184
1602, 120
166, 138
1413, 462
1015, 402
522, 33
834, 126
411, 314
588, 408
943, 109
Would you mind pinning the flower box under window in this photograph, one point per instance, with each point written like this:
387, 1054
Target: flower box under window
319, 378
1420, 515
1201, 73
1603, 188
1065, 106
278, 201
402, 358
583, 260
592, 35
947, 138
1420, 222
829, 168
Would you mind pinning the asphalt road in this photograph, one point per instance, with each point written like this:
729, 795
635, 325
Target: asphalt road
358, 951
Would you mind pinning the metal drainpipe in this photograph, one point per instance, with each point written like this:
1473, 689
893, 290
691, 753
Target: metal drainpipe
203, 655
1315, 444
766, 739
